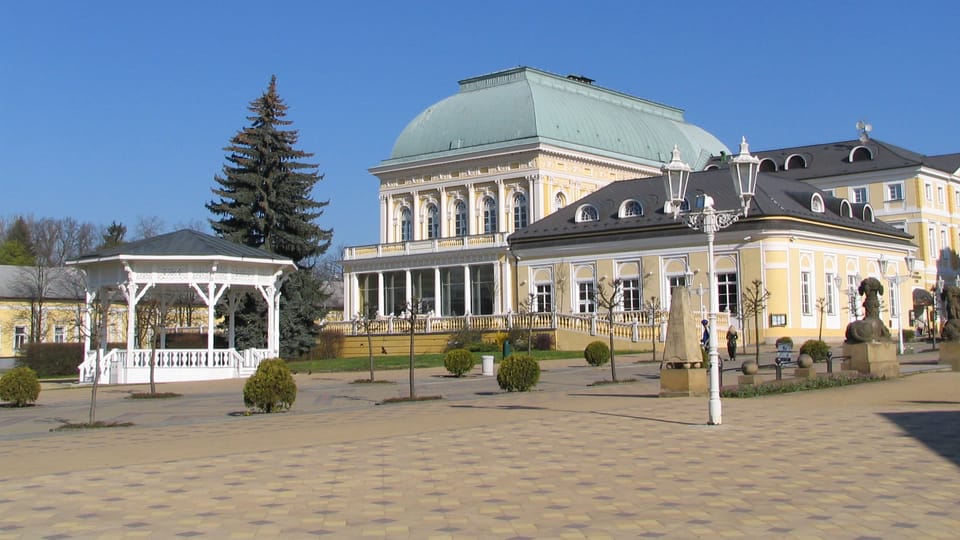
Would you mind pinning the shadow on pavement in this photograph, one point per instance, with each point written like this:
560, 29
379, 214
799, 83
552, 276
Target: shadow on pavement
939, 430
618, 415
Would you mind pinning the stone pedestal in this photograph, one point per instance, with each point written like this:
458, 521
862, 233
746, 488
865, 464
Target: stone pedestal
683, 382
806, 373
749, 380
950, 354
877, 358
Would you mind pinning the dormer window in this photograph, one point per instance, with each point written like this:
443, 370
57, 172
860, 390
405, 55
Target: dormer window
795, 161
868, 213
768, 165
587, 212
631, 208
845, 209
711, 168
860, 153
816, 203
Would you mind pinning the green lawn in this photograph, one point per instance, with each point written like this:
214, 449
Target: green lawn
420, 361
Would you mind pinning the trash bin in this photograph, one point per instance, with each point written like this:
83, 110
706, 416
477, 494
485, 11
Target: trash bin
507, 351
486, 366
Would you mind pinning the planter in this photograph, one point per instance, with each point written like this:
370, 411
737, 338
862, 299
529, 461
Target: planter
749, 367
804, 360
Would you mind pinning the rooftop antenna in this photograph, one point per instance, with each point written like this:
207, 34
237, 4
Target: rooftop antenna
864, 130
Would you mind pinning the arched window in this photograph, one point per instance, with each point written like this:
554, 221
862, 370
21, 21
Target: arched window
519, 211
433, 221
845, 209
768, 165
868, 213
795, 161
861, 153
489, 215
711, 168
816, 203
406, 224
559, 201
460, 218
587, 212
631, 208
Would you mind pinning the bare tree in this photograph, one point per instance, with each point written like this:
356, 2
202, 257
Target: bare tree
366, 323
148, 227
413, 310
654, 311
755, 297
153, 317
609, 299
821, 308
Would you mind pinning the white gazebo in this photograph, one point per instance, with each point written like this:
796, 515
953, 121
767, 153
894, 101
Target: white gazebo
193, 264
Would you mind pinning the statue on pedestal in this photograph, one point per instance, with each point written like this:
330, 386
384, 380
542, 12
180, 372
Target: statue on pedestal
870, 328
951, 301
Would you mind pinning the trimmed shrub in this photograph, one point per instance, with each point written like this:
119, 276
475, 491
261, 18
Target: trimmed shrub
784, 339
471, 340
329, 343
817, 349
518, 373
543, 342
458, 361
597, 353
271, 388
19, 386
52, 359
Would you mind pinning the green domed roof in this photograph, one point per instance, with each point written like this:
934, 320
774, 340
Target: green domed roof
525, 105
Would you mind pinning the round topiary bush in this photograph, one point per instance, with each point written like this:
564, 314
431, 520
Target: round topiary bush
597, 353
458, 361
817, 349
271, 388
785, 339
518, 372
19, 386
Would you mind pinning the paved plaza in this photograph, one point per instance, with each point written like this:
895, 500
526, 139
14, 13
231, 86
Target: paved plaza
570, 460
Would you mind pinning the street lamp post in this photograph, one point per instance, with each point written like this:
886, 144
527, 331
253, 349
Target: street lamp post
676, 175
936, 311
895, 281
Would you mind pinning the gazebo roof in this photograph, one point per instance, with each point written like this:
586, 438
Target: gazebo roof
183, 244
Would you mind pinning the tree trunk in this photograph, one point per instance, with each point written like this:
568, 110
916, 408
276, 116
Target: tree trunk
613, 357
413, 391
370, 351
93, 391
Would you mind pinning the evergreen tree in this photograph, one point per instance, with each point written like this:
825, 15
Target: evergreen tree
265, 202
114, 234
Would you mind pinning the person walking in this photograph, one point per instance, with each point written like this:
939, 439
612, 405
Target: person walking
732, 337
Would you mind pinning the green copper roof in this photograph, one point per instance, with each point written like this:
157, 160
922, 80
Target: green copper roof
525, 105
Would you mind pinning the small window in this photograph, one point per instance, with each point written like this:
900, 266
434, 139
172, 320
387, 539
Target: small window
941, 196
631, 208
895, 192
859, 194
19, 337
768, 165
489, 216
928, 192
460, 218
559, 201
795, 162
406, 225
587, 213
816, 203
59, 334
433, 221
861, 153
845, 209
519, 211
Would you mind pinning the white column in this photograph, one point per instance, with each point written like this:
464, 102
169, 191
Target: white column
467, 308
384, 218
533, 187
506, 285
407, 287
87, 331
501, 207
437, 295
444, 227
471, 210
497, 288
354, 290
380, 310
415, 233
130, 294
276, 322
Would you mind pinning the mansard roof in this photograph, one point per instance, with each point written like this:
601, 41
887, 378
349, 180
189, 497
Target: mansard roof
779, 202
522, 106
834, 159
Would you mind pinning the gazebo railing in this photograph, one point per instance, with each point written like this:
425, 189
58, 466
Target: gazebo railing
230, 362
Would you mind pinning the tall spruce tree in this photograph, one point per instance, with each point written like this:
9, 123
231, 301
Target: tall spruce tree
265, 202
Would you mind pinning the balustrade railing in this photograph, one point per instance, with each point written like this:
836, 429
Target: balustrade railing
165, 359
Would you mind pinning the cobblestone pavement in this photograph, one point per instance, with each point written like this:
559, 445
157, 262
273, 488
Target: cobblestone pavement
877, 460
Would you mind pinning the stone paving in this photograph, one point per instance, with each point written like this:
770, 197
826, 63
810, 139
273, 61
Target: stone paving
878, 460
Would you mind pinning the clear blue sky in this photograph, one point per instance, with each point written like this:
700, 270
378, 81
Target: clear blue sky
116, 110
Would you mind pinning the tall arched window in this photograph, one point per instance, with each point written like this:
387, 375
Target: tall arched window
460, 219
489, 216
519, 211
433, 221
559, 201
406, 225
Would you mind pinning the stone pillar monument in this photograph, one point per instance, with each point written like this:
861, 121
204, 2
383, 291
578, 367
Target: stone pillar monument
950, 346
868, 347
682, 372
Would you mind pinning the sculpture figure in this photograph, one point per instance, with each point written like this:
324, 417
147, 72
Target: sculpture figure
951, 301
870, 328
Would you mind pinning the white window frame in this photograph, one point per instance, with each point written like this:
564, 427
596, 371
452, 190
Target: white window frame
806, 293
894, 191
932, 240
489, 215
543, 294
855, 191
460, 219
59, 334
830, 291
631, 288
586, 290
941, 195
433, 221
406, 224
520, 216
928, 191
19, 337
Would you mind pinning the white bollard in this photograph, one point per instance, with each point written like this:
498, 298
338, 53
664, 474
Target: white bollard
486, 365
